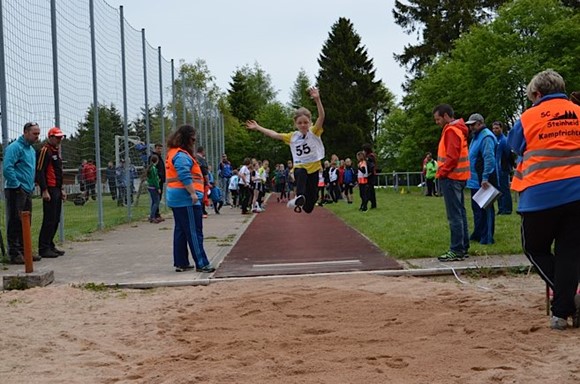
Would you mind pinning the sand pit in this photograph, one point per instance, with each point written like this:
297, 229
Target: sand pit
340, 329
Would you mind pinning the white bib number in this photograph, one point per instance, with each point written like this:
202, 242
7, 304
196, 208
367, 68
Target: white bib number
303, 149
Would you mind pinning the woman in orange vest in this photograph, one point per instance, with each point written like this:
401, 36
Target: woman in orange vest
547, 177
185, 190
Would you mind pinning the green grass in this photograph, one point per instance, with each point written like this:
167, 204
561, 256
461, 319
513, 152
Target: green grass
410, 225
79, 221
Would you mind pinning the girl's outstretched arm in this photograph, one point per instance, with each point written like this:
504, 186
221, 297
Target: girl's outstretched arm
316, 96
253, 126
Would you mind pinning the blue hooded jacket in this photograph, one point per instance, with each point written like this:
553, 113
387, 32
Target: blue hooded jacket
19, 165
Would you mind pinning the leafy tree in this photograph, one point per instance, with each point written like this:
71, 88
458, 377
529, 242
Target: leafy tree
237, 143
440, 24
385, 104
489, 69
349, 92
277, 117
194, 84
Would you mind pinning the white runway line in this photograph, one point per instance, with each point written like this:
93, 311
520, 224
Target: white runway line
309, 264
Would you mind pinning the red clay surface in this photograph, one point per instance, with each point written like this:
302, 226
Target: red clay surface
282, 242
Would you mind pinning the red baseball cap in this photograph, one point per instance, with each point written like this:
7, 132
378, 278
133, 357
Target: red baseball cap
55, 131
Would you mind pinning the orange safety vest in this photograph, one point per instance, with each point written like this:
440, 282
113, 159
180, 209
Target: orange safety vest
552, 133
461, 171
363, 178
320, 179
171, 173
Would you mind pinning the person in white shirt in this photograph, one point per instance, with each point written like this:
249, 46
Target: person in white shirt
234, 188
244, 184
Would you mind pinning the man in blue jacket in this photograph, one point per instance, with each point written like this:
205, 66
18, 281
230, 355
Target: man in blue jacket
19, 169
504, 166
483, 173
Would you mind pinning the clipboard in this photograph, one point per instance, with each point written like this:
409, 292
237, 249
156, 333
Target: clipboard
486, 197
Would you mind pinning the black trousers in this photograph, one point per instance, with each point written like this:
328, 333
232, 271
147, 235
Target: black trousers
17, 200
113, 189
558, 226
306, 185
121, 195
157, 214
430, 187
334, 190
245, 196
50, 219
364, 196
90, 190
372, 197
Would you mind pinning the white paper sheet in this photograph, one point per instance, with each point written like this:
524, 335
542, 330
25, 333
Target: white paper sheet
485, 197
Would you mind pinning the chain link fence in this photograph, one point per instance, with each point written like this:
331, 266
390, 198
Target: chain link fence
61, 58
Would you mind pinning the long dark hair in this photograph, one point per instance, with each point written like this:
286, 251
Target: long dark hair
183, 137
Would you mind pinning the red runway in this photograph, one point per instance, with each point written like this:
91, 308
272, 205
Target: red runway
282, 242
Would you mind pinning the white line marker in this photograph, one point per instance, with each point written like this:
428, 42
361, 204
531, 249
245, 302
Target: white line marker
310, 264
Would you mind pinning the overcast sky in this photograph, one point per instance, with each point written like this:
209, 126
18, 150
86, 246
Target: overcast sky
281, 36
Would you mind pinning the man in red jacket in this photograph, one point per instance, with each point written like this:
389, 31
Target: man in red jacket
49, 180
90, 178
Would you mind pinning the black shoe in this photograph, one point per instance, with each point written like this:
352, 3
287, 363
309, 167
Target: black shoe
36, 258
17, 259
184, 268
49, 254
576, 314
207, 269
59, 252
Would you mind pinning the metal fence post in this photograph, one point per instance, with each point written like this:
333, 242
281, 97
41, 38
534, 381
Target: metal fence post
126, 176
3, 104
101, 223
162, 109
147, 126
162, 115
173, 97
183, 96
56, 92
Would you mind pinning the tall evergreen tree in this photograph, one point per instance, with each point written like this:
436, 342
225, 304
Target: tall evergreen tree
440, 23
299, 96
240, 97
348, 89
81, 145
250, 90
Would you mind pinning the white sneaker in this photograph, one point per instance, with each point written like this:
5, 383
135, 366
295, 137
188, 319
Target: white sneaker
298, 201
558, 323
256, 210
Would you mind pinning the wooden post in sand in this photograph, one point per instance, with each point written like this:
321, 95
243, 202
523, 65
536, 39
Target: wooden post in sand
30, 278
27, 241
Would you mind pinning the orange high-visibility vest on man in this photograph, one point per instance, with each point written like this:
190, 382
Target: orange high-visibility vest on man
171, 174
461, 170
552, 133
